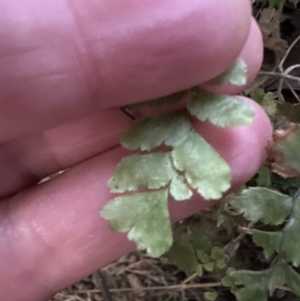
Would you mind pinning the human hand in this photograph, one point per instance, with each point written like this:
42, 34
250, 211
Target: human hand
65, 67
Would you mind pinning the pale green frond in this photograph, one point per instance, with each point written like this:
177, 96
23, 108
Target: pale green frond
179, 190
236, 74
145, 216
204, 169
263, 204
269, 241
140, 171
150, 132
220, 110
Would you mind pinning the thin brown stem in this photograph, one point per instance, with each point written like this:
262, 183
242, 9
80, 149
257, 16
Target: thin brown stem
281, 75
280, 67
100, 280
161, 288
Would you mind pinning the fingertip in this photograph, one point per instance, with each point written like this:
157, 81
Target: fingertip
252, 55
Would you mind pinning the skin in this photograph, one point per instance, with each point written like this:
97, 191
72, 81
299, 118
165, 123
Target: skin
65, 68
252, 49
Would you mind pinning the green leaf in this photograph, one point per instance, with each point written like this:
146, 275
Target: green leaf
277, 277
292, 279
269, 241
217, 253
291, 242
202, 256
258, 95
199, 240
150, 132
283, 274
255, 285
289, 148
209, 267
179, 190
183, 255
264, 177
220, 110
221, 264
236, 74
199, 270
210, 296
227, 281
137, 171
262, 204
266, 100
145, 216
204, 169
269, 104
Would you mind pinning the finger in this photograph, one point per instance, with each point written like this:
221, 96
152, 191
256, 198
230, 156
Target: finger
52, 235
27, 160
62, 60
252, 54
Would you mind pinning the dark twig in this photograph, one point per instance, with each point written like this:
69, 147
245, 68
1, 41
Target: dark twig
100, 280
126, 112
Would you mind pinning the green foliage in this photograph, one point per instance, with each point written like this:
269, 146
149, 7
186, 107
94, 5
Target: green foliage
236, 74
192, 251
264, 177
262, 204
258, 285
179, 190
282, 274
290, 240
150, 132
219, 256
203, 167
145, 216
285, 243
266, 100
199, 240
289, 149
209, 266
183, 252
202, 256
220, 110
210, 296
183, 255
228, 281
136, 172
254, 285
269, 241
